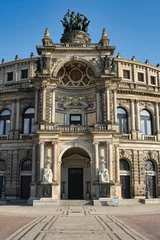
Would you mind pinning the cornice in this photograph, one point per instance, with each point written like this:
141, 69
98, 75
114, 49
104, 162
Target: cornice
132, 62
75, 48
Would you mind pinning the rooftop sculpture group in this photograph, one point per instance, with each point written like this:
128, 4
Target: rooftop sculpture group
71, 21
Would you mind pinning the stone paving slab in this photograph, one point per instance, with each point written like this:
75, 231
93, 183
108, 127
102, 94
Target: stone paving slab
148, 225
77, 223
88, 222
8, 224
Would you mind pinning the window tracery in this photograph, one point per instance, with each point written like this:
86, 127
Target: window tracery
76, 74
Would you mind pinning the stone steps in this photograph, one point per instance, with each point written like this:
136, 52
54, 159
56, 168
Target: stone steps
75, 202
50, 202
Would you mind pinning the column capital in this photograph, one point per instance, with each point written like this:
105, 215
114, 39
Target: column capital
157, 103
55, 142
95, 143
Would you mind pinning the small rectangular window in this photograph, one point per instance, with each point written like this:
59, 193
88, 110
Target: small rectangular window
24, 73
153, 80
141, 77
126, 74
75, 119
10, 76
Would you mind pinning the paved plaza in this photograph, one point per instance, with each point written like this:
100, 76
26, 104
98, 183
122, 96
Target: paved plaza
138, 222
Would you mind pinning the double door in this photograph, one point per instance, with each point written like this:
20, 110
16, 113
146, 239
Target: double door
75, 183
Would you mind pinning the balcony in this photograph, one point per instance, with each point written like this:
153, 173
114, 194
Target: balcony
73, 128
26, 136
3, 137
126, 136
150, 137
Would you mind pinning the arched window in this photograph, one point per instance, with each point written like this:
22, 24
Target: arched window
122, 119
124, 165
26, 165
146, 122
2, 165
4, 122
28, 121
150, 166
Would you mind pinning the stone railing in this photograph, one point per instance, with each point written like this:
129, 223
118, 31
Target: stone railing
73, 128
26, 136
149, 137
125, 136
3, 137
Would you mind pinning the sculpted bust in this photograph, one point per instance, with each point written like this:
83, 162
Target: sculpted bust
103, 174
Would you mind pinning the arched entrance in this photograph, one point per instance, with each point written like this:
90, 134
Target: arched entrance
75, 174
26, 177
125, 178
150, 174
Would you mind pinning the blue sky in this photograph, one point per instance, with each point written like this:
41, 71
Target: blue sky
132, 26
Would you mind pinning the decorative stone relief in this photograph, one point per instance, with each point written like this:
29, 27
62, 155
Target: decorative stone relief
125, 154
149, 155
22, 154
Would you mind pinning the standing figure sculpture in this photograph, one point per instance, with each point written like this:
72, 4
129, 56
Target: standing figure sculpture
71, 21
85, 25
103, 174
65, 24
47, 175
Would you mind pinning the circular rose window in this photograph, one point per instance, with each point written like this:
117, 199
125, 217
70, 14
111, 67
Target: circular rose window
76, 74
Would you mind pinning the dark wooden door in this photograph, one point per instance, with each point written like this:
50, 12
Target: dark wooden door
125, 181
75, 183
1, 184
25, 187
152, 186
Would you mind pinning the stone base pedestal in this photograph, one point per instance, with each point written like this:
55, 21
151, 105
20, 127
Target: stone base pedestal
115, 127
117, 190
3, 202
32, 194
158, 136
134, 135
103, 202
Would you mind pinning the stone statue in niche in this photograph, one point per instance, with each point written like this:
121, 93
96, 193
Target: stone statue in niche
47, 175
103, 174
107, 62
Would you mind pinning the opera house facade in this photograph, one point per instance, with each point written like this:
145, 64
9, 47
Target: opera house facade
77, 122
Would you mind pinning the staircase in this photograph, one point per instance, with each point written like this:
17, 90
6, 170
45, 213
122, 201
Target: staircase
75, 202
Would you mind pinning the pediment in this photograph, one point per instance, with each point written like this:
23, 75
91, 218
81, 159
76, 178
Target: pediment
75, 157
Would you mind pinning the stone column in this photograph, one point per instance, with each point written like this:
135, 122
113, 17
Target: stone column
110, 156
44, 103
117, 170
53, 106
96, 159
115, 105
36, 106
157, 117
41, 159
98, 105
33, 163
107, 104
18, 115
13, 115
137, 116
54, 161
132, 115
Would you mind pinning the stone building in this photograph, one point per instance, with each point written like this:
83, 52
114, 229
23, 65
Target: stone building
73, 109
